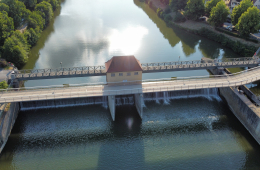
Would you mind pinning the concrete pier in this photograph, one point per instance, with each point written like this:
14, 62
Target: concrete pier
139, 102
112, 106
7, 121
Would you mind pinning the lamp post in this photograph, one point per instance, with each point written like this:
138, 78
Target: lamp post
60, 64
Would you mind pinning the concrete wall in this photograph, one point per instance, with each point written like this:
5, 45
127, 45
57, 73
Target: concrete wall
125, 78
7, 121
247, 113
112, 106
139, 104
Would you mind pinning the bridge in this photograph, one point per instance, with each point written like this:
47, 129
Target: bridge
146, 86
36, 74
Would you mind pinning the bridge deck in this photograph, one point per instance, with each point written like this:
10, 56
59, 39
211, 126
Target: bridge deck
18, 95
37, 74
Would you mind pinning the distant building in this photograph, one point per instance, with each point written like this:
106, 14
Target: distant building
123, 69
232, 3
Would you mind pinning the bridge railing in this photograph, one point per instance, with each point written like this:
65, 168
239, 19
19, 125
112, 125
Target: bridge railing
200, 63
152, 82
75, 94
101, 70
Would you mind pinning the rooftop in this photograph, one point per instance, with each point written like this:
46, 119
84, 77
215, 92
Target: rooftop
123, 64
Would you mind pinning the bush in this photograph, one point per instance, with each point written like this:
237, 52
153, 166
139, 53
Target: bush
235, 35
3, 63
236, 46
159, 12
3, 85
179, 17
167, 10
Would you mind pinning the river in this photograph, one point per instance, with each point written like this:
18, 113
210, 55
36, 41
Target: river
186, 133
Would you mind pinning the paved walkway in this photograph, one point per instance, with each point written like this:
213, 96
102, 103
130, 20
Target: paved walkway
146, 87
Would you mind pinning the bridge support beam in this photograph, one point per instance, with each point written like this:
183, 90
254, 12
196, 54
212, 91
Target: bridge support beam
139, 103
112, 106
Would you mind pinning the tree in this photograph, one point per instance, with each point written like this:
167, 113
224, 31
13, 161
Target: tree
32, 35
46, 11
177, 4
3, 85
16, 49
248, 22
194, 9
4, 7
35, 20
17, 11
54, 3
30, 4
209, 5
218, 14
239, 10
6, 26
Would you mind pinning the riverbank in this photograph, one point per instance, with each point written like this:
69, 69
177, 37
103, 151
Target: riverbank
238, 45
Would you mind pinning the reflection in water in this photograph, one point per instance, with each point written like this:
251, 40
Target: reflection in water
128, 41
180, 135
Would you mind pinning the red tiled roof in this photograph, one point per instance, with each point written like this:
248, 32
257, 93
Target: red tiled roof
123, 64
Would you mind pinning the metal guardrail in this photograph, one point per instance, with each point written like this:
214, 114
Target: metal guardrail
184, 83
177, 79
202, 64
147, 67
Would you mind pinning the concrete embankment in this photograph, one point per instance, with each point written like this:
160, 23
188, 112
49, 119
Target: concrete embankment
7, 120
246, 112
242, 105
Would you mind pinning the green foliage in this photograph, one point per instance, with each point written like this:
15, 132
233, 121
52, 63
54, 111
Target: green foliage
4, 7
30, 4
6, 26
179, 17
16, 49
3, 63
32, 35
248, 22
3, 85
35, 20
177, 4
218, 14
194, 9
239, 10
46, 11
159, 12
167, 10
17, 11
236, 46
54, 3
235, 35
167, 18
209, 5
165, 2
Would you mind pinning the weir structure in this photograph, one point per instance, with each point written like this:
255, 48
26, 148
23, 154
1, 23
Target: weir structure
124, 78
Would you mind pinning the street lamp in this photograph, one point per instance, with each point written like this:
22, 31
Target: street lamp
60, 64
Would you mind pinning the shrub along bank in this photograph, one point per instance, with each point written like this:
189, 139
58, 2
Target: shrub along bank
238, 47
36, 14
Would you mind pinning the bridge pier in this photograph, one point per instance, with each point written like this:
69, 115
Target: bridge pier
139, 102
112, 106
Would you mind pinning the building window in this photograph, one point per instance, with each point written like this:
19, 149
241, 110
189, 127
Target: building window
136, 73
120, 74
113, 74
128, 74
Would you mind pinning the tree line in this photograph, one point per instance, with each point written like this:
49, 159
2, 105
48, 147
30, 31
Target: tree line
245, 16
14, 45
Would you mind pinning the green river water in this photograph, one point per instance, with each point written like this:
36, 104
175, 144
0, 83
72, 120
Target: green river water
186, 133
